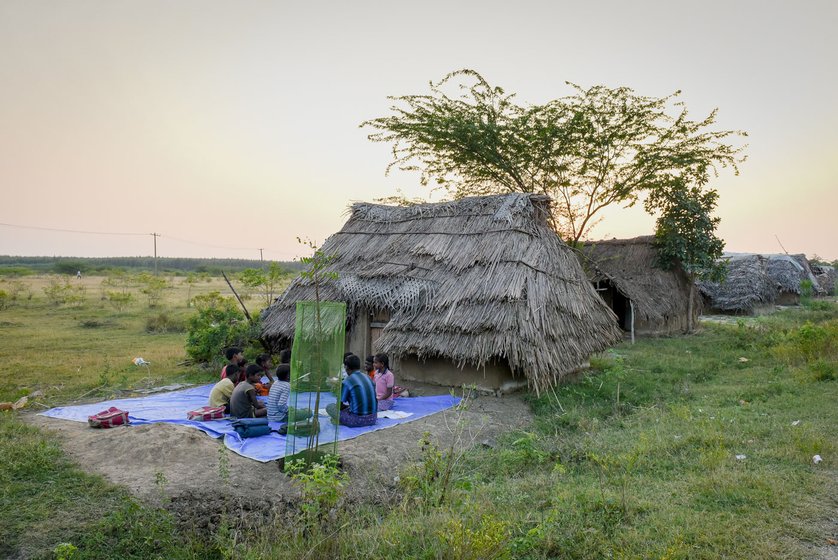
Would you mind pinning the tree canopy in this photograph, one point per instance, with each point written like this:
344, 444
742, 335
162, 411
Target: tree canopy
685, 232
596, 147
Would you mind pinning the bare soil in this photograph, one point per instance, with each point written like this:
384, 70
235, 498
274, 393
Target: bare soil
182, 464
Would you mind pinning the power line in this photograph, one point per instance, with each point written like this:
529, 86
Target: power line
71, 230
155, 235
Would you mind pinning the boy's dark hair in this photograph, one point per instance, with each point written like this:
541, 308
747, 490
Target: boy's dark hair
353, 363
346, 357
253, 369
232, 351
261, 359
232, 373
283, 372
285, 356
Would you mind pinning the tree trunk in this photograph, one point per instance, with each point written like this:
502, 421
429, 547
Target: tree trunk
690, 305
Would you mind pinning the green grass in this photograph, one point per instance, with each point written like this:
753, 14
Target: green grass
68, 352
47, 502
638, 460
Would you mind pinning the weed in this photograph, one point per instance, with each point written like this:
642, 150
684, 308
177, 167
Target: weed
486, 541
65, 551
106, 375
322, 485
431, 481
823, 370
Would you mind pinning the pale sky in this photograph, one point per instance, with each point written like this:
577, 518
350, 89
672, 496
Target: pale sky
232, 126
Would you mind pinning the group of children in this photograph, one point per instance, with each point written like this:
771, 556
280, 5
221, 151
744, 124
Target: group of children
363, 394
241, 384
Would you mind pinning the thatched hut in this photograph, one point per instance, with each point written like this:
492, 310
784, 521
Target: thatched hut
826, 276
645, 298
478, 290
788, 271
747, 289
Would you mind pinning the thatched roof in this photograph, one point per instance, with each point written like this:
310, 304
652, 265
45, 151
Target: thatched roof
826, 276
472, 280
789, 270
631, 266
747, 285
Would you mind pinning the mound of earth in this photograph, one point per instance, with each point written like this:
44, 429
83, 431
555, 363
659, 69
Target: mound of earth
194, 470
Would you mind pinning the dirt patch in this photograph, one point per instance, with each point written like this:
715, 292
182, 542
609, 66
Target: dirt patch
183, 463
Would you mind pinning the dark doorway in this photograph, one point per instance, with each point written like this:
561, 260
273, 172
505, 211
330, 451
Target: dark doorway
618, 303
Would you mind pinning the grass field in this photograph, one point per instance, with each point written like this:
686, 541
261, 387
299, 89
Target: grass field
691, 447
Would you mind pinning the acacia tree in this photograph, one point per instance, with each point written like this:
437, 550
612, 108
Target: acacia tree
685, 233
597, 147
269, 281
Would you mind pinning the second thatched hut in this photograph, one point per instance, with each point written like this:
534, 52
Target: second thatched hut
478, 290
746, 290
645, 298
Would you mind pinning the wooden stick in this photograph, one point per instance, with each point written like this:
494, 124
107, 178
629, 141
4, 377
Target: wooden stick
246, 313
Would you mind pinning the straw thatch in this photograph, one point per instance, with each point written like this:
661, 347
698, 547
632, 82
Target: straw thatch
826, 276
789, 270
474, 281
660, 297
746, 287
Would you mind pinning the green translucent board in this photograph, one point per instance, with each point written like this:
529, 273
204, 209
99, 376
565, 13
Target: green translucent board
316, 357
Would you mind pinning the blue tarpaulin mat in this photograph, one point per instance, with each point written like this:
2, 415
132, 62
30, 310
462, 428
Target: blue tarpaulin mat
171, 408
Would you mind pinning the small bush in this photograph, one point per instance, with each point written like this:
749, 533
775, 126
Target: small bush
163, 323
486, 541
17, 289
4, 300
218, 324
152, 287
822, 370
819, 305
63, 292
120, 300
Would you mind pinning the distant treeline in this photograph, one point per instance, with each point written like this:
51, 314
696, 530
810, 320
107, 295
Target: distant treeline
167, 265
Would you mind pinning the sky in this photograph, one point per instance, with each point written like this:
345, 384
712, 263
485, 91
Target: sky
230, 127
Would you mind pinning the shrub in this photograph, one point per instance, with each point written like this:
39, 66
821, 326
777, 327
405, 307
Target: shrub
807, 290
16, 289
4, 300
120, 300
152, 287
218, 324
486, 541
163, 323
322, 486
63, 292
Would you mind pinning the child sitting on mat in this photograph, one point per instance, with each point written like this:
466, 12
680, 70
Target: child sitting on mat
243, 401
221, 391
384, 381
278, 409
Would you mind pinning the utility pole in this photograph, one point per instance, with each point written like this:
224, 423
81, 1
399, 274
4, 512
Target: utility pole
261, 259
155, 236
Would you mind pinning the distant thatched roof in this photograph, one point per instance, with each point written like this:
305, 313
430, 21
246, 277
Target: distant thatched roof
747, 285
471, 280
826, 276
631, 266
789, 270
